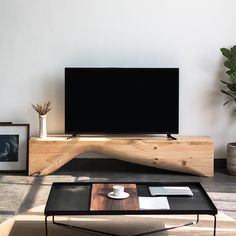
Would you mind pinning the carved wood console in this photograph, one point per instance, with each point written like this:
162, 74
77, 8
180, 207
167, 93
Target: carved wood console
194, 155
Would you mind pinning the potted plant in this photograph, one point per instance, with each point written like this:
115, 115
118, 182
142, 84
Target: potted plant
42, 111
230, 91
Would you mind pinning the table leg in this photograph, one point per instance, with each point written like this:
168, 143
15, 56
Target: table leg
80, 228
145, 233
46, 225
214, 225
165, 229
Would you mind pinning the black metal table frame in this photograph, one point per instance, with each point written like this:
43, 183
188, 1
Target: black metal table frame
135, 213
105, 233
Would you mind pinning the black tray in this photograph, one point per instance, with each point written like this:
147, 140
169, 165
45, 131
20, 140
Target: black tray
74, 199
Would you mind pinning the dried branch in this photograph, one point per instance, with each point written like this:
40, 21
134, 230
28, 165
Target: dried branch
42, 109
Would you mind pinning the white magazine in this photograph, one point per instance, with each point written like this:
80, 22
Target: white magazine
170, 191
154, 203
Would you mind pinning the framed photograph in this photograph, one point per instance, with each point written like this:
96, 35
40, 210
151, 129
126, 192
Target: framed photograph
14, 146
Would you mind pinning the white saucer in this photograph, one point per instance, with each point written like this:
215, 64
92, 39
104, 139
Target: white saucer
111, 195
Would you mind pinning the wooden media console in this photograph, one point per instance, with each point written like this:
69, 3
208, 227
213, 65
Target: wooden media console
189, 154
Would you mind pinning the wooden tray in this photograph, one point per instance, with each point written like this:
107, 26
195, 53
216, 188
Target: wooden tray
101, 202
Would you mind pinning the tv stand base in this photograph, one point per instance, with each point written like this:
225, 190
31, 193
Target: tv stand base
74, 135
171, 137
194, 155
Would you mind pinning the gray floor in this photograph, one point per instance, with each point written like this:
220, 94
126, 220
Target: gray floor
19, 193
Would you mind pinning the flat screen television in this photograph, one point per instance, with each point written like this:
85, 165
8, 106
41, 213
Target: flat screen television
121, 100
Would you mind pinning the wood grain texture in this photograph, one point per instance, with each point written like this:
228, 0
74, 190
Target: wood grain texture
189, 154
100, 201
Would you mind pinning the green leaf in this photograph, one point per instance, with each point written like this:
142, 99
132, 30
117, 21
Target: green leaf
228, 101
227, 93
226, 52
229, 85
231, 64
232, 87
233, 77
224, 82
233, 60
228, 65
229, 72
233, 50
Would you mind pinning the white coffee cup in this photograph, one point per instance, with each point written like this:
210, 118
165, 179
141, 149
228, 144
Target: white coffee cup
118, 190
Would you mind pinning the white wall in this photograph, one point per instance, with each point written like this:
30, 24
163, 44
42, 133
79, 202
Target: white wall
39, 38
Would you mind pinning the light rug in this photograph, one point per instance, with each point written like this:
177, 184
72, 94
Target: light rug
32, 224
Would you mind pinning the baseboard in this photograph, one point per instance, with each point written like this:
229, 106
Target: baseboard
220, 163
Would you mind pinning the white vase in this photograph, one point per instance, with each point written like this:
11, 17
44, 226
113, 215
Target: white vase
42, 126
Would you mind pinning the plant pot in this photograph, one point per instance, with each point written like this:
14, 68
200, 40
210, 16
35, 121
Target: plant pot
231, 158
42, 126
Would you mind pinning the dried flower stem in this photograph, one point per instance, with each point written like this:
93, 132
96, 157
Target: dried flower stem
42, 109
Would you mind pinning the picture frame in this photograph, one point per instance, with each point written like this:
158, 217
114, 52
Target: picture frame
14, 147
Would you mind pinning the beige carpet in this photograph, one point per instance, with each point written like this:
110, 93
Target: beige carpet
32, 224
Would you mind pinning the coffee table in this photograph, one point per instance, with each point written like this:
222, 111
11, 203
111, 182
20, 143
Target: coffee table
78, 198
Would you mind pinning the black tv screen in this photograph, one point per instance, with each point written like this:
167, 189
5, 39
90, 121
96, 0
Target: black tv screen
121, 100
